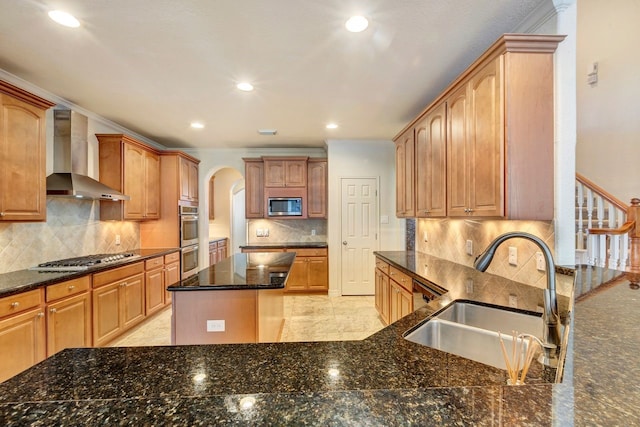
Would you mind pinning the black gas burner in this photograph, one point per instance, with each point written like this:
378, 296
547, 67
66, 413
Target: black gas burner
84, 262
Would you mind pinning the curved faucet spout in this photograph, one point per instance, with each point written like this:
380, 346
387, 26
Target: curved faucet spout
551, 333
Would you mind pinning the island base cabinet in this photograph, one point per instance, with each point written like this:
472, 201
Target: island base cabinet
22, 342
227, 316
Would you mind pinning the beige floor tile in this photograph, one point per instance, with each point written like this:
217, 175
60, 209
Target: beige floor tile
307, 318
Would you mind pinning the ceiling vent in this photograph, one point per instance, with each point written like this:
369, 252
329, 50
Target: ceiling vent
267, 131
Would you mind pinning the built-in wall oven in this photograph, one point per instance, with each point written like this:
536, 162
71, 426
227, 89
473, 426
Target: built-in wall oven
188, 241
188, 261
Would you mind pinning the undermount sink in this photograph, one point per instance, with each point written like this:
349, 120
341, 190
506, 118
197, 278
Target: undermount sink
471, 331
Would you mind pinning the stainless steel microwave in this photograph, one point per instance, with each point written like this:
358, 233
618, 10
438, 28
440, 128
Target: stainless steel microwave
284, 206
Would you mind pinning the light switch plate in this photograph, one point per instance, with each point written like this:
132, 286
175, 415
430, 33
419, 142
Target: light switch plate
469, 247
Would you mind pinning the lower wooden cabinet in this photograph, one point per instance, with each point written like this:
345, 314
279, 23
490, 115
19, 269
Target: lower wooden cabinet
393, 292
69, 315
310, 270
171, 273
217, 251
22, 332
154, 276
118, 301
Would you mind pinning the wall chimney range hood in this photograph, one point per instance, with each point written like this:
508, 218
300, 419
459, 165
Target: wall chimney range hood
70, 161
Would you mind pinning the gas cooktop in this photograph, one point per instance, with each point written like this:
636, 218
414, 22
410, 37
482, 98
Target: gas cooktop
84, 262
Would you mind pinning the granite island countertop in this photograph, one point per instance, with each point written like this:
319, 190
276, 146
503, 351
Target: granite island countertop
381, 380
241, 271
19, 281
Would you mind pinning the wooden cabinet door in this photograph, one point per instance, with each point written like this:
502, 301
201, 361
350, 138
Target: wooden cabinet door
171, 276
69, 323
295, 173
457, 153
486, 141
134, 181
274, 173
22, 161
405, 175
188, 173
106, 313
317, 188
254, 188
193, 181
382, 295
155, 290
431, 164
213, 253
298, 275
133, 301
221, 253
394, 301
151, 185
405, 303
318, 273
22, 342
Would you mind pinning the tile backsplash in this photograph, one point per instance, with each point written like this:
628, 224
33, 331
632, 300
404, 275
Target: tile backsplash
72, 229
287, 230
446, 238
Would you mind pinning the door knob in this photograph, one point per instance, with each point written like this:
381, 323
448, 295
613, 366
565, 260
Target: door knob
344, 243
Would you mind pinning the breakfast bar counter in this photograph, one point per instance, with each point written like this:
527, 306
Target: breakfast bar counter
381, 380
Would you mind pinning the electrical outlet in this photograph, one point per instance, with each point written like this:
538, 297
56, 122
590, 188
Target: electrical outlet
117, 239
215, 325
513, 301
540, 265
259, 232
313, 232
469, 285
265, 232
469, 247
513, 255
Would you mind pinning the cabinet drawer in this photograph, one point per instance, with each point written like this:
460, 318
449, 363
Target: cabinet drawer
20, 302
213, 246
302, 252
401, 278
68, 288
382, 266
168, 259
222, 243
152, 263
106, 277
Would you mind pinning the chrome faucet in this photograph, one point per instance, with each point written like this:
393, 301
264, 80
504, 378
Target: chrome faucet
551, 333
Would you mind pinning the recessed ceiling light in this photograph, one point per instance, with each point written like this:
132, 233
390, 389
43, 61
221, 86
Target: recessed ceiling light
197, 125
356, 24
64, 18
332, 126
247, 87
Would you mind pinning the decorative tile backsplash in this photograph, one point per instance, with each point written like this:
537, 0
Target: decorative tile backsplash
446, 238
287, 230
72, 229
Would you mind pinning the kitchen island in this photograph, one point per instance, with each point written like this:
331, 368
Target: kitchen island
237, 300
382, 380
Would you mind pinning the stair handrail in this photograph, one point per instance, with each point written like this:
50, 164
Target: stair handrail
602, 192
632, 227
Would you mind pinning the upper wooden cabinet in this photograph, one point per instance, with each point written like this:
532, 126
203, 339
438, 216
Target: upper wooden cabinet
405, 175
22, 155
133, 168
317, 188
499, 135
431, 164
285, 171
188, 180
254, 188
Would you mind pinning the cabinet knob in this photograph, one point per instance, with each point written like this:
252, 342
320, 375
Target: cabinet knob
15, 304
53, 310
71, 287
1, 213
123, 284
344, 243
41, 314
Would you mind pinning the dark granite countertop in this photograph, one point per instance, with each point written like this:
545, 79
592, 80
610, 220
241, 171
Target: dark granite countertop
241, 271
285, 245
382, 380
19, 281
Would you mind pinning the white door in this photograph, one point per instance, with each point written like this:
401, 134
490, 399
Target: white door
359, 206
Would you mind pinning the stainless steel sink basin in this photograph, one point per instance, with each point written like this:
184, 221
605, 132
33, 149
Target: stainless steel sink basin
471, 331
492, 319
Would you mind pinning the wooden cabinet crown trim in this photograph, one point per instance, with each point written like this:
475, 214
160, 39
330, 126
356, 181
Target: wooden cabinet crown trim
179, 154
9, 89
514, 43
128, 139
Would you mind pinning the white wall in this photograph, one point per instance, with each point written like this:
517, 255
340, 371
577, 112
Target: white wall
608, 122
224, 180
361, 159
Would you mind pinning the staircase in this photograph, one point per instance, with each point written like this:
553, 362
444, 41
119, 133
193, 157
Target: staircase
596, 208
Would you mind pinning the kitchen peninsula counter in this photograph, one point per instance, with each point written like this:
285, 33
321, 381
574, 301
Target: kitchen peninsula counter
237, 300
381, 380
284, 245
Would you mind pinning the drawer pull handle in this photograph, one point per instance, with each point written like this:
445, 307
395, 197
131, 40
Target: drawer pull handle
15, 304
71, 287
53, 310
41, 314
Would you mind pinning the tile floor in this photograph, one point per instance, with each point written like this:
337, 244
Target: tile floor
307, 318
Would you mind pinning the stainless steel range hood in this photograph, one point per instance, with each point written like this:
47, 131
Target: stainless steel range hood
70, 161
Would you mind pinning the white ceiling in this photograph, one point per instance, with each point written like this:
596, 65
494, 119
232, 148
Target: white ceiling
154, 66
